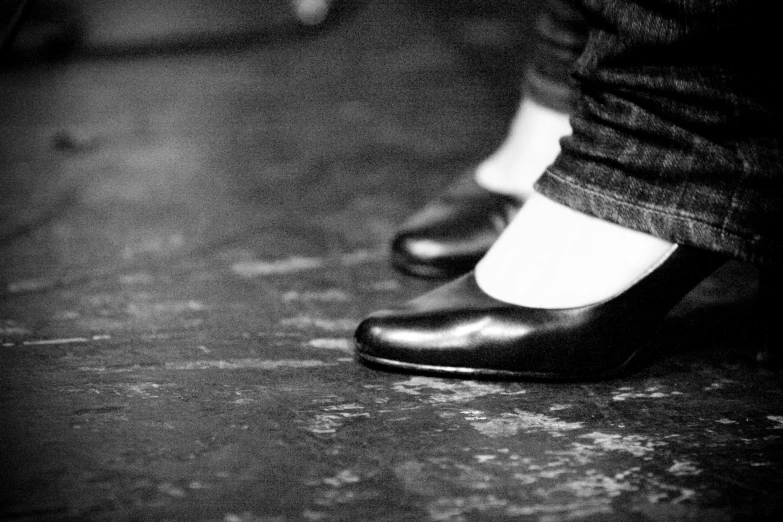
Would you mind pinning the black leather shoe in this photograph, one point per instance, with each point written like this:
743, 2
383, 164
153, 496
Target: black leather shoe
459, 330
453, 232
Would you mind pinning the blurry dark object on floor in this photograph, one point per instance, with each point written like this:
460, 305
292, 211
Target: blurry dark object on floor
41, 29
489, 33
52, 29
12, 16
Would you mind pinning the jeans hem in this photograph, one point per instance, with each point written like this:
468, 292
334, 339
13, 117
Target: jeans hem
685, 230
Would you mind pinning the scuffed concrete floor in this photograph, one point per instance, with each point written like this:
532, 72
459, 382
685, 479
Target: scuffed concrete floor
187, 243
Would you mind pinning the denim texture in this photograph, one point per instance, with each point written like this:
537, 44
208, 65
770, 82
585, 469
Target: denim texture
678, 124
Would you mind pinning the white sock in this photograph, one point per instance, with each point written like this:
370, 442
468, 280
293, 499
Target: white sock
551, 256
532, 144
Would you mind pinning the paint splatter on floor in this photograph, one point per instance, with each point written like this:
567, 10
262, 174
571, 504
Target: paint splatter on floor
652, 392
284, 266
343, 345
510, 424
448, 391
306, 322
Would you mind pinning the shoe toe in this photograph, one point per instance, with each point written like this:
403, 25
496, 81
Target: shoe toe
371, 335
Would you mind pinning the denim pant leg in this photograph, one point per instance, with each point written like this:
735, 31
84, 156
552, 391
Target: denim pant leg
678, 128
561, 35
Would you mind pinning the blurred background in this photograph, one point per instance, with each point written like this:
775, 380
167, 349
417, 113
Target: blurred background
49, 29
243, 99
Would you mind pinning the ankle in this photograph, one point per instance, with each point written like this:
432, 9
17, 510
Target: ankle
551, 256
532, 144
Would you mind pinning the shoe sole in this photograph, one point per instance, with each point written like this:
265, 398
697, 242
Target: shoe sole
485, 373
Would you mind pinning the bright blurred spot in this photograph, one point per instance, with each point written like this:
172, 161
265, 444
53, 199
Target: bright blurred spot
311, 12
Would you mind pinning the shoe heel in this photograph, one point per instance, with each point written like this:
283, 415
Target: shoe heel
770, 290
